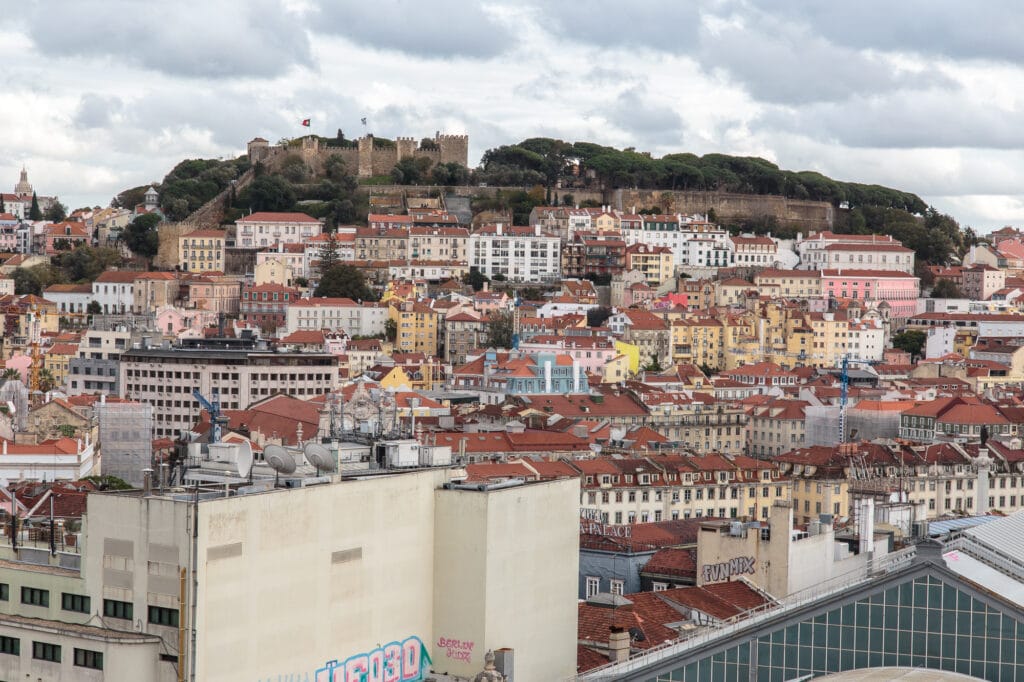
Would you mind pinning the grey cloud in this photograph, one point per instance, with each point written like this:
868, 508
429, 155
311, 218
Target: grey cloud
96, 111
441, 28
783, 64
934, 118
669, 25
638, 113
193, 38
976, 30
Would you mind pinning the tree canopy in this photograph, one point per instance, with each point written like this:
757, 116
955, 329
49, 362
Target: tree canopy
912, 341
141, 236
500, 329
344, 281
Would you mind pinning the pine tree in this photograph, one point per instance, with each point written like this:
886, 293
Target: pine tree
3, 209
34, 213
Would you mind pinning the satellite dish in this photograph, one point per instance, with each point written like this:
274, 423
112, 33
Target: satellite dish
243, 459
320, 457
279, 459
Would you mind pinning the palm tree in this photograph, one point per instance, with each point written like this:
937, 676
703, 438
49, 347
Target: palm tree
47, 382
11, 373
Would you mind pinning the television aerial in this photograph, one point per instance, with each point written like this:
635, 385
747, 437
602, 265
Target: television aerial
320, 457
243, 460
280, 460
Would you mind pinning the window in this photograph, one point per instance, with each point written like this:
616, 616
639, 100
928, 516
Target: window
159, 615
44, 651
74, 602
10, 645
616, 587
593, 586
117, 609
5, 592
89, 659
659, 587
35, 596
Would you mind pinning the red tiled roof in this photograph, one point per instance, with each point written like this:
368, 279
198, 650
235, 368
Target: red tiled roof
277, 217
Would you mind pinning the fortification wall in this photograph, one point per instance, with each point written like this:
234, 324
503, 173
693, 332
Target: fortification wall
803, 214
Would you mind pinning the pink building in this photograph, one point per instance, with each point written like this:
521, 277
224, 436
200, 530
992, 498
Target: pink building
592, 353
898, 289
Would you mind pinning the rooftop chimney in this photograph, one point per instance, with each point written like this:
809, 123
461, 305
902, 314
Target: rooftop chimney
984, 463
618, 644
147, 482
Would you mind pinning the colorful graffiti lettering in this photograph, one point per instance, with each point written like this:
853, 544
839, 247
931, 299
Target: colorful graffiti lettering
459, 649
406, 661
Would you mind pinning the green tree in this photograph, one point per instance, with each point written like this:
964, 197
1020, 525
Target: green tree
500, 329
141, 235
911, 341
946, 288
598, 316
47, 382
390, 330
475, 279
86, 263
270, 193
294, 169
55, 212
343, 281
36, 278
3, 209
108, 482
10, 374
34, 213
94, 308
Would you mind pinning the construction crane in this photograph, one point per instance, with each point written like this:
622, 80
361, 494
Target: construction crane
844, 385
217, 419
33, 337
515, 321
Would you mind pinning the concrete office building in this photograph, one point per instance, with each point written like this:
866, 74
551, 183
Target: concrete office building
242, 371
319, 581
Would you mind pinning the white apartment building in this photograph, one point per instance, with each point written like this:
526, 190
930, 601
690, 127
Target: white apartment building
828, 250
240, 373
396, 566
676, 232
336, 314
266, 228
114, 290
522, 254
95, 368
64, 459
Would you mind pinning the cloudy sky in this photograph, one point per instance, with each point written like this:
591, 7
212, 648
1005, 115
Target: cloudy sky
100, 95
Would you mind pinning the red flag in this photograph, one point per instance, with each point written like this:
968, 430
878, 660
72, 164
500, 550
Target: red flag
305, 122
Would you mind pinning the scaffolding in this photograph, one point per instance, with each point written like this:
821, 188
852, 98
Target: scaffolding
125, 439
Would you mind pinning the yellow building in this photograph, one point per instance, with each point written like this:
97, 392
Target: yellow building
57, 359
415, 327
202, 251
699, 341
655, 262
605, 221
789, 283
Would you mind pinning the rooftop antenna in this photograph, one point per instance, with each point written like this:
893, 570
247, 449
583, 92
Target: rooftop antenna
320, 457
279, 460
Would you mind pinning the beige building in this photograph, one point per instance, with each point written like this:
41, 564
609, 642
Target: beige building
655, 262
272, 271
386, 566
438, 243
202, 251
153, 290
789, 283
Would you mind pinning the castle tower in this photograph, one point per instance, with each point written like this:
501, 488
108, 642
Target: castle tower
24, 188
406, 147
258, 149
365, 156
151, 198
454, 148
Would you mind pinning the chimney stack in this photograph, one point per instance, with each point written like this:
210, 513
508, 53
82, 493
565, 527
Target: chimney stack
618, 644
147, 482
984, 464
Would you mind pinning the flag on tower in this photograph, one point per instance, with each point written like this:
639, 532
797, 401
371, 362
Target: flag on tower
305, 122
364, 121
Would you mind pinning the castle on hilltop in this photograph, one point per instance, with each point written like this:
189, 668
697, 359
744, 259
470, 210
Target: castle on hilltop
371, 156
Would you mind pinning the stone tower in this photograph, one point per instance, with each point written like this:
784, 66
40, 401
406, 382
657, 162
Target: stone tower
24, 188
406, 147
454, 148
365, 156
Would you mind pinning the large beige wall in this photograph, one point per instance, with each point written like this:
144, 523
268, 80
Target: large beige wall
327, 573
515, 552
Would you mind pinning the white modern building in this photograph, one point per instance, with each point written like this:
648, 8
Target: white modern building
267, 228
522, 254
711, 246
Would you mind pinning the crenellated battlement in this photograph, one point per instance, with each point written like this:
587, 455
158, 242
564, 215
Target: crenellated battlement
370, 159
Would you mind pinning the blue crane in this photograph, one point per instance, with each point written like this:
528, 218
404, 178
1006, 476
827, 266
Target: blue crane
217, 418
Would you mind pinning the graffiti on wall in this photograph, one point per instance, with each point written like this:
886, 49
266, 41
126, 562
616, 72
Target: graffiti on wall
727, 569
456, 649
405, 661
